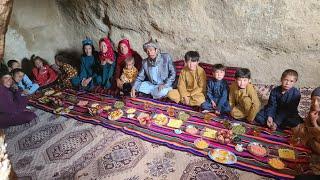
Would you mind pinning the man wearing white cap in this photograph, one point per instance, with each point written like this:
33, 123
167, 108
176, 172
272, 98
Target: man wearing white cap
157, 73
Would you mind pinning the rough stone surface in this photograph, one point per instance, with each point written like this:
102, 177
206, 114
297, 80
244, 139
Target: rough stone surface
5, 11
265, 36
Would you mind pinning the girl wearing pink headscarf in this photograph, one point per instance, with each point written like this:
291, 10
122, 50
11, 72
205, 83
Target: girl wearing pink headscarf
125, 52
107, 61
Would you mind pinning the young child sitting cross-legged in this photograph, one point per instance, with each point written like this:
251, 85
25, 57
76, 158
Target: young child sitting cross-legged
68, 73
217, 92
21, 79
243, 98
27, 87
128, 76
282, 108
43, 74
191, 83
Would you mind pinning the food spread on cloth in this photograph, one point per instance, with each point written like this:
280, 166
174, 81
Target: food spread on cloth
115, 115
238, 129
49, 92
144, 119
201, 144
210, 133
131, 111
107, 108
257, 149
118, 104
44, 99
183, 116
224, 136
82, 103
175, 123
222, 156
160, 119
276, 163
61, 110
287, 154
192, 130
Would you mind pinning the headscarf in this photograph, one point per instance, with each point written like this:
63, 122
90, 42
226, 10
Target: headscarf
109, 54
316, 92
121, 56
87, 41
150, 43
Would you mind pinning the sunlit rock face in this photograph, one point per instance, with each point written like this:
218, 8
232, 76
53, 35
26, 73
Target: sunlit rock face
5, 11
265, 36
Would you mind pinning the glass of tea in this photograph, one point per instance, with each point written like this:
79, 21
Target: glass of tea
170, 111
207, 117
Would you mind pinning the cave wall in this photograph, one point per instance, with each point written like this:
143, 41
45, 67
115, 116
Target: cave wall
5, 12
265, 36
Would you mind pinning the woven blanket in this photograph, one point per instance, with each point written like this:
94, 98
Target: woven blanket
164, 135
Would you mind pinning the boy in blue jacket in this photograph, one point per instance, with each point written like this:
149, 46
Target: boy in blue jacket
21, 79
217, 92
282, 108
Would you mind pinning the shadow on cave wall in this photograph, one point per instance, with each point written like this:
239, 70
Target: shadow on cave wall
70, 56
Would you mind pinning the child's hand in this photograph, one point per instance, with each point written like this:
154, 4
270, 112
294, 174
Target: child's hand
314, 116
186, 100
213, 104
217, 112
119, 83
160, 87
133, 93
25, 92
103, 62
270, 122
109, 61
274, 127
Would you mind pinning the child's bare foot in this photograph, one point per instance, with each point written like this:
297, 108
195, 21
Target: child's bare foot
205, 111
217, 112
270, 122
274, 127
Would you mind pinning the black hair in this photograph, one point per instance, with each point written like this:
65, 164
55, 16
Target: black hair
220, 67
59, 58
15, 71
290, 72
34, 58
94, 52
11, 62
194, 56
243, 73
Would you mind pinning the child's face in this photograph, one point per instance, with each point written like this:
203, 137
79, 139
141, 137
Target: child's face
15, 66
103, 47
58, 63
242, 82
18, 76
219, 74
315, 103
6, 81
88, 50
151, 52
288, 82
38, 63
129, 64
124, 48
192, 65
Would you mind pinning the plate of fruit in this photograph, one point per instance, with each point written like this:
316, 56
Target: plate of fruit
224, 136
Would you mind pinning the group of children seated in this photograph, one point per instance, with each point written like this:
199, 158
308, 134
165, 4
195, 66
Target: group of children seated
156, 74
